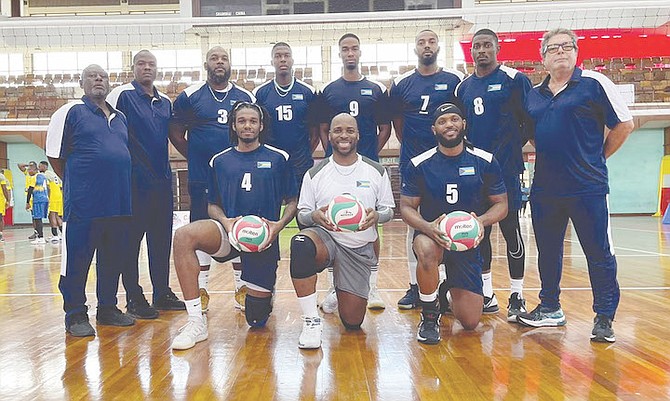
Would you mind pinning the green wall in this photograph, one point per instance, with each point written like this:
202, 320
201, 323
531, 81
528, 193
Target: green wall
634, 173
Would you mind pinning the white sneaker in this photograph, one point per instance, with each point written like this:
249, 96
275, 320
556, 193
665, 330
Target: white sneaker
310, 337
38, 241
55, 239
374, 300
193, 332
240, 298
329, 304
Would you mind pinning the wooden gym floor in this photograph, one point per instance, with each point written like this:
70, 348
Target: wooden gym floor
384, 361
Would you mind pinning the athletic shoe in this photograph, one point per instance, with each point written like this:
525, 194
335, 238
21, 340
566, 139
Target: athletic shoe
516, 306
602, 330
411, 298
38, 241
169, 301
374, 300
78, 326
442, 290
2, 239
194, 331
33, 236
490, 305
55, 239
542, 317
310, 337
112, 316
429, 327
140, 309
240, 298
204, 300
329, 304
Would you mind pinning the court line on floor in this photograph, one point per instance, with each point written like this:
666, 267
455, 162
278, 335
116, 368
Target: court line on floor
29, 260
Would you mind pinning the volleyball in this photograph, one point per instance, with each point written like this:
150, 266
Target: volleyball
346, 212
462, 229
250, 233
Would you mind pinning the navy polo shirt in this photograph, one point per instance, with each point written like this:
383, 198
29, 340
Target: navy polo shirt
148, 119
495, 115
415, 97
204, 112
96, 181
569, 133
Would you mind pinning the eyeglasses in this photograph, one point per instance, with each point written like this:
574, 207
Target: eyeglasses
566, 46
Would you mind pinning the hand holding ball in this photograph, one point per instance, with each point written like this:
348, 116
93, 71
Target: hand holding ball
346, 212
462, 229
249, 234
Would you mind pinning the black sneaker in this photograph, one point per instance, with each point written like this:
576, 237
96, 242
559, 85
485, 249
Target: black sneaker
33, 236
411, 298
490, 305
516, 306
429, 327
78, 326
169, 301
602, 330
139, 308
112, 316
445, 308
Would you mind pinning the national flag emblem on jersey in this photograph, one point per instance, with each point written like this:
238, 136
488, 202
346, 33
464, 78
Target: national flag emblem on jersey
297, 96
366, 92
362, 184
466, 171
441, 87
494, 87
263, 164
232, 102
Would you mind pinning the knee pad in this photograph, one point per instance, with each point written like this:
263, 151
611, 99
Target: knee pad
350, 326
257, 310
303, 257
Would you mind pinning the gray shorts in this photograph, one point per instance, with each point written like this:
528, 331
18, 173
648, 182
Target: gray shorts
351, 266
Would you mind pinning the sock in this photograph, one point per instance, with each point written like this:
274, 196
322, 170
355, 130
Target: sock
373, 276
487, 288
194, 308
516, 285
411, 258
54, 231
443, 272
308, 305
428, 297
238, 279
203, 279
331, 277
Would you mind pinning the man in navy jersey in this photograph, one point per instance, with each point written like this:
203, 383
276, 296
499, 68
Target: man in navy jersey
202, 111
570, 110
415, 96
148, 112
247, 178
87, 145
452, 176
367, 101
292, 107
493, 99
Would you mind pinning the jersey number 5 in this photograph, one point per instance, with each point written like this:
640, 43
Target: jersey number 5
246, 182
451, 194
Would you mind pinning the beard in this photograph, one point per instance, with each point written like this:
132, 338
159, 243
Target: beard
451, 143
428, 60
248, 140
218, 79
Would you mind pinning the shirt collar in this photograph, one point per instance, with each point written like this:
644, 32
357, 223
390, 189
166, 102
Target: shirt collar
94, 107
140, 90
576, 77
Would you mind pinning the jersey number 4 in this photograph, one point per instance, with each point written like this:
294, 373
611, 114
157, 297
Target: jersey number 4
451, 193
246, 182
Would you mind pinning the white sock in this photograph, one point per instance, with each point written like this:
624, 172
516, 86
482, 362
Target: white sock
373, 277
428, 297
237, 274
194, 308
487, 288
331, 277
516, 285
203, 279
442, 272
308, 305
411, 258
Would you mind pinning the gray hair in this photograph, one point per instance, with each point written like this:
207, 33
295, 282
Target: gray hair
554, 32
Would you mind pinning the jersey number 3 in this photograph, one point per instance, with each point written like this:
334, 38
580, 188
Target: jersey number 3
223, 116
246, 182
451, 193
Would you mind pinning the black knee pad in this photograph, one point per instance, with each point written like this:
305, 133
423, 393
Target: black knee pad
257, 310
303, 256
350, 326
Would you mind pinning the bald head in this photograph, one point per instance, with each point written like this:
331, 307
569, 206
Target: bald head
343, 118
216, 49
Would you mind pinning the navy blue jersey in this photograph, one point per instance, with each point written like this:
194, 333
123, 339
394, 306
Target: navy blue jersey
148, 120
446, 184
204, 113
293, 112
96, 180
569, 133
495, 115
255, 182
415, 97
366, 100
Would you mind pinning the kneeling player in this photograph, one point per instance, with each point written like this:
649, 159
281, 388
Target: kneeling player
248, 178
452, 176
321, 245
